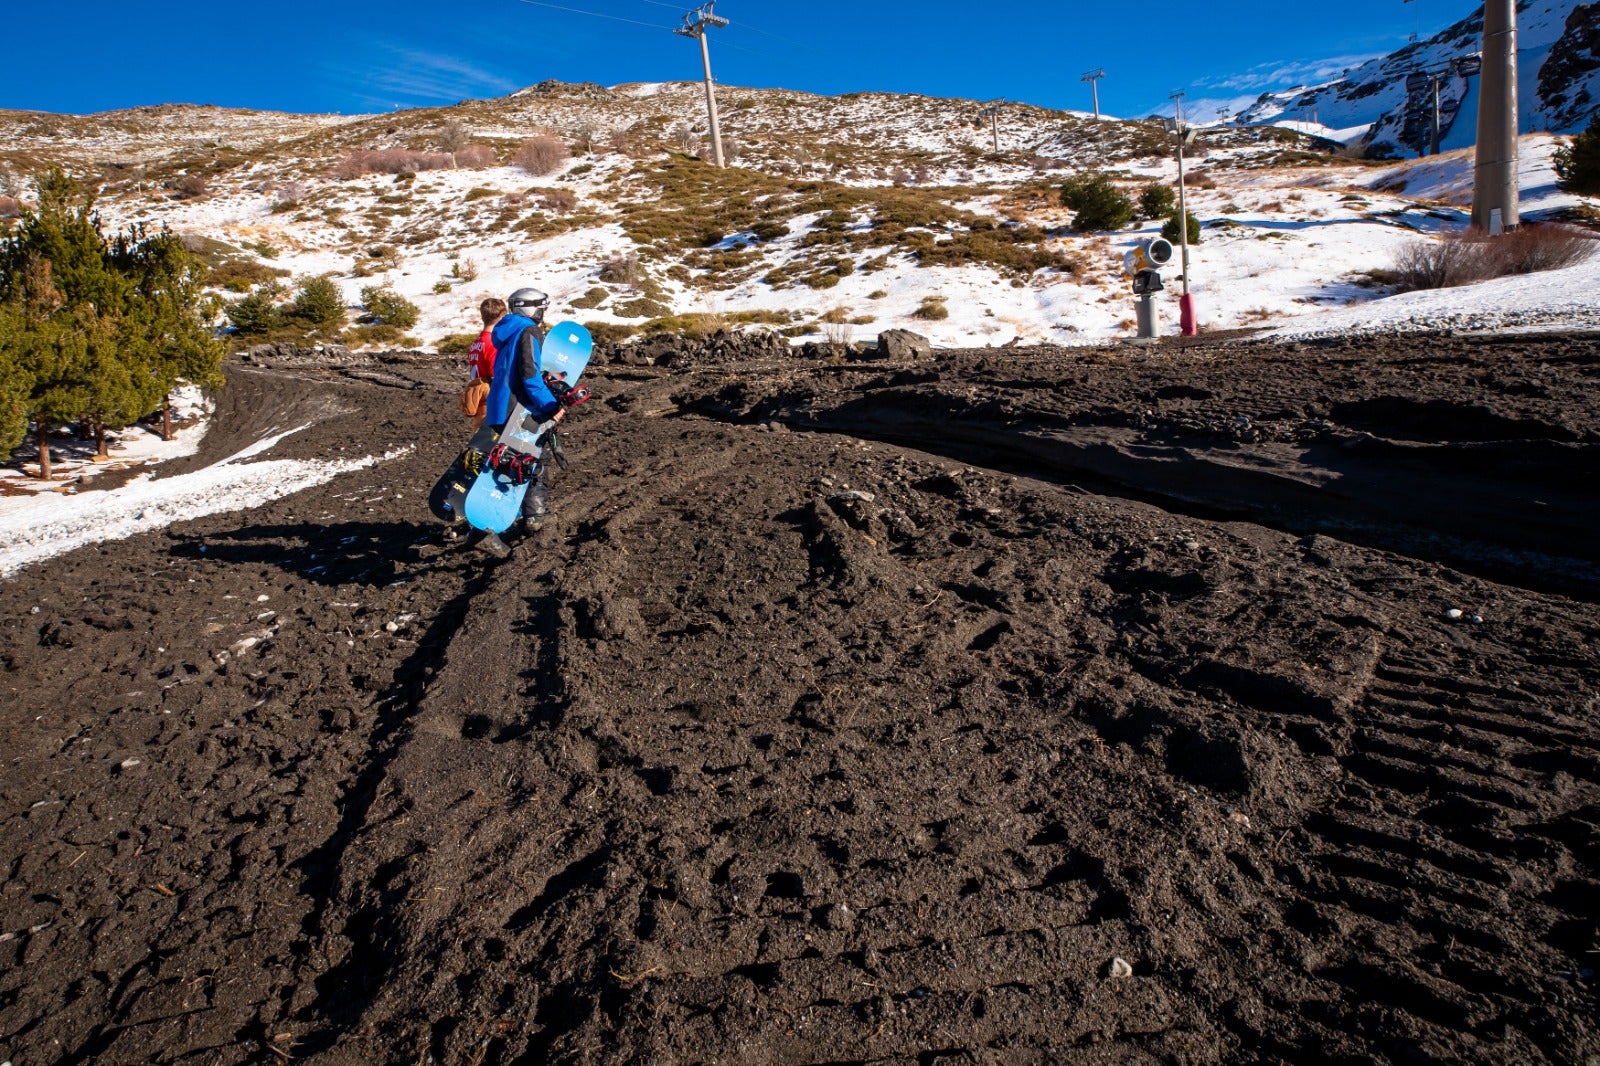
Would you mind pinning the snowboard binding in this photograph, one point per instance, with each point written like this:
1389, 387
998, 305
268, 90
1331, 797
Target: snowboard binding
518, 468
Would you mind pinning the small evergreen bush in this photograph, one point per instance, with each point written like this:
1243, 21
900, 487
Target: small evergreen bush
1169, 230
1099, 204
257, 313
388, 307
1157, 201
1578, 163
319, 303
455, 343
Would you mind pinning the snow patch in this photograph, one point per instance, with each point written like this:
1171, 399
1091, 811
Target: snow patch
40, 527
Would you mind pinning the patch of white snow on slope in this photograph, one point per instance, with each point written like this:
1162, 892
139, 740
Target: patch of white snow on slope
1554, 300
40, 527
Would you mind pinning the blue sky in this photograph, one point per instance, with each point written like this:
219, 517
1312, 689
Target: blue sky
363, 56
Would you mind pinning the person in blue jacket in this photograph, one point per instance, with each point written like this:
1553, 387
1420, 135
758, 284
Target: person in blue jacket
518, 339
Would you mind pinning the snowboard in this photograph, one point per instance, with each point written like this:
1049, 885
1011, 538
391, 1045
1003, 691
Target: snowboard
448, 499
494, 500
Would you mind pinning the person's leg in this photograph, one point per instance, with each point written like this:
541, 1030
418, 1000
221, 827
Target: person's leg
536, 503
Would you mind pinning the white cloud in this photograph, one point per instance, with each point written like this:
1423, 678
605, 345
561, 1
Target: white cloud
405, 77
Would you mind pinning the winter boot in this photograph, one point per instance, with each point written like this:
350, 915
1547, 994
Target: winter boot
491, 544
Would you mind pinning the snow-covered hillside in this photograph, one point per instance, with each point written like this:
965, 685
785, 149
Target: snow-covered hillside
842, 216
1558, 70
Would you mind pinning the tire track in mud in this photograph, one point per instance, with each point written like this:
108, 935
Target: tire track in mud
780, 848
798, 747
171, 920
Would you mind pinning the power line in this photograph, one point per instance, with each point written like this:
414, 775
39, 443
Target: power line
595, 14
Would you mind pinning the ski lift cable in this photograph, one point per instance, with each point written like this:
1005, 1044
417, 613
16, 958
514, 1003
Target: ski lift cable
595, 14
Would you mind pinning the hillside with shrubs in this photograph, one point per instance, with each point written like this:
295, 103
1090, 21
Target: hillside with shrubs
837, 217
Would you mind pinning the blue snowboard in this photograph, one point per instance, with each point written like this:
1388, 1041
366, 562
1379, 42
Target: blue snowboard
494, 502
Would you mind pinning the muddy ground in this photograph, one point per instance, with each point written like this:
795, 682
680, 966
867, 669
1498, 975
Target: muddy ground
1012, 707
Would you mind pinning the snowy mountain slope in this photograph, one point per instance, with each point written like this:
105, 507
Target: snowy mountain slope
1558, 83
144, 135
843, 216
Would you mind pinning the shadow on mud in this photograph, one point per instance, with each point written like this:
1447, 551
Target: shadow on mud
343, 553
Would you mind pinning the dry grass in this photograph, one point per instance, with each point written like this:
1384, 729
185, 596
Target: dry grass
1473, 256
541, 156
390, 161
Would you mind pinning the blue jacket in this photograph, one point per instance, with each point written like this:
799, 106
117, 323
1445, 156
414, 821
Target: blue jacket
517, 374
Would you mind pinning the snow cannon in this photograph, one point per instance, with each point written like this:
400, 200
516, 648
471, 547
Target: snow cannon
1152, 254
1143, 265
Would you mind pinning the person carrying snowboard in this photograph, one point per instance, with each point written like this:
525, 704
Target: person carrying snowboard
517, 339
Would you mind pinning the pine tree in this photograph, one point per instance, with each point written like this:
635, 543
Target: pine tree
1099, 204
95, 329
1169, 229
389, 307
319, 303
167, 278
1157, 201
256, 313
1578, 163
16, 382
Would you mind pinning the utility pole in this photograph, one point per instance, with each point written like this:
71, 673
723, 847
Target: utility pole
1185, 299
695, 24
1431, 81
1495, 189
1093, 78
991, 111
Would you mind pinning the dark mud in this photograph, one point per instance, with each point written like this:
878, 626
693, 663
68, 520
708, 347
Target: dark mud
1015, 707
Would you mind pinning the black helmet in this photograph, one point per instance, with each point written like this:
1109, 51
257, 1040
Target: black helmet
529, 302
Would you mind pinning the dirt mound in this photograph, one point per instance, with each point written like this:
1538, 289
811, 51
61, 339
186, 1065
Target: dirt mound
721, 348
1205, 706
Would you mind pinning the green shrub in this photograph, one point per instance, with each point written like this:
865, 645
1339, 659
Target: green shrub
643, 307
257, 313
1578, 163
376, 333
932, 309
389, 308
769, 230
593, 298
1099, 205
455, 343
1170, 229
611, 332
1157, 201
442, 286
319, 303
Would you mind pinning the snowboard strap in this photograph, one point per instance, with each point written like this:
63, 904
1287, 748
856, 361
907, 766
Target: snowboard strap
516, 467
